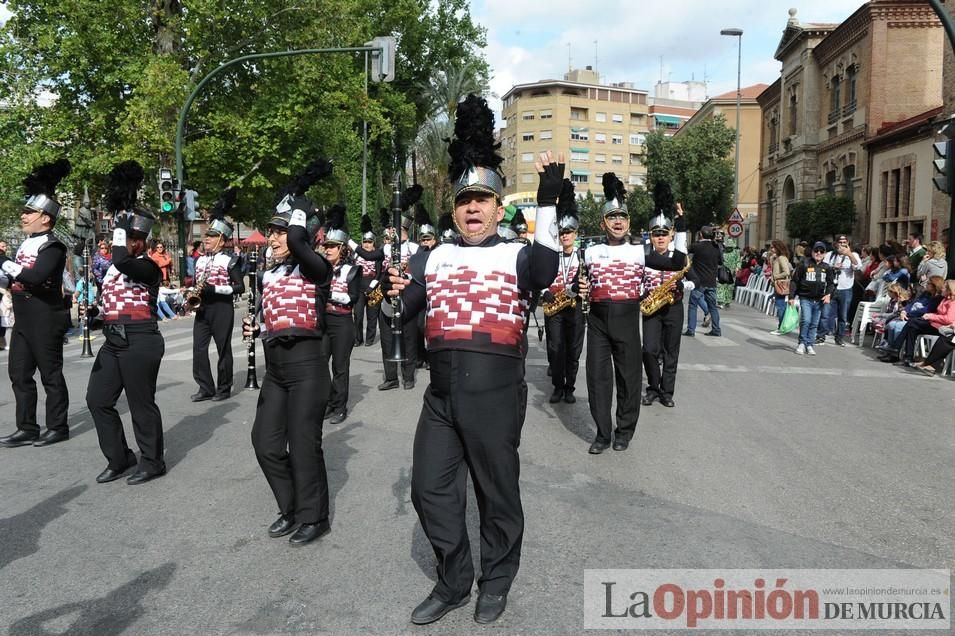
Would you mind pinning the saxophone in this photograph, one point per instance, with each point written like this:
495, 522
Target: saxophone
374, 293
561, 302
663, 295
193, 295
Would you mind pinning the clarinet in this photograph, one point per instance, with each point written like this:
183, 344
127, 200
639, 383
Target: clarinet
251, 381
582, 276
397, 351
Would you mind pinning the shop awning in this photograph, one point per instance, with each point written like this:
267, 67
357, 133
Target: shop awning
580, 149
668, 119
580, 172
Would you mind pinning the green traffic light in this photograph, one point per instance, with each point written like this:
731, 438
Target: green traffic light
167, 206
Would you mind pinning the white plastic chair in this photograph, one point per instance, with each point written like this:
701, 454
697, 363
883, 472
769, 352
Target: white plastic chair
742, 293
924, 344
863, 318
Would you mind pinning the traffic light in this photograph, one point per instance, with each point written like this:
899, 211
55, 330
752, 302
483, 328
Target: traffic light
944, 163
383, 61
167, 191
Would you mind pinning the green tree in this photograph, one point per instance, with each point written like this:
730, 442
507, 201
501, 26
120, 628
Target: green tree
800, 219
696, 165
114, 73
640, 206
821, 218
588, 210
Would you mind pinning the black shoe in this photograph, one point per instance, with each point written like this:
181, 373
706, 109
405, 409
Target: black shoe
432, 609
419, 364
407, 384
200, 397
282, 526
667, 401
388, 385
840, 342
358, 342
549, 372
308, 532
111, 474
649, 398
51, 437
556, 396
141, 476
820, 340
688, 334
329, 411
369, 343
621, 444
569, 396
489, 607
713, 333
905, 363
598, 447
218, 397
339, 417
20, 438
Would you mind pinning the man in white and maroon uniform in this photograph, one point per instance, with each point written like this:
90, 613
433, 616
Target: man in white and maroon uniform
220, 273
370, 271
132, 352
287, 434
36, 277
565, 329
665, 258
339, 336
614, 285
475, 294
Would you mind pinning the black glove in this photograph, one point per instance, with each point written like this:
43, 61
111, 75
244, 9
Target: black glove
547, 297
551, 182
207, 290
123, 221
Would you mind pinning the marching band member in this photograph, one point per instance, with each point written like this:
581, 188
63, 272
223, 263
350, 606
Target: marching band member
339, 336
565, 329
36, 274
409, 335
129, 359
614, 285
370, 271
665, 261
286, 438
426, 241
218, 278
473, 408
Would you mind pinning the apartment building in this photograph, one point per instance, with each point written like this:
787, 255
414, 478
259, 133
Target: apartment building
598, 128
839, 86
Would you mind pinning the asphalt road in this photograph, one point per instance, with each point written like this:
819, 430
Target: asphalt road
768, 460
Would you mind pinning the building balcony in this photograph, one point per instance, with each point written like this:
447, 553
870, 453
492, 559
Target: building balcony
773, 148
834, 116
849, 108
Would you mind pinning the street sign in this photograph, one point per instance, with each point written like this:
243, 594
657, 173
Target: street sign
734, 229
736, 217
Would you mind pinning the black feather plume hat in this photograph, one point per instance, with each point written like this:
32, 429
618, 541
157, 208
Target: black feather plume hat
40, 187
568, 217
367, 230
446, 230
292, 196
422, 220
518, 222
615, 195
384, 215
336, 233
662, 206
475, 162
122, 195
218, 225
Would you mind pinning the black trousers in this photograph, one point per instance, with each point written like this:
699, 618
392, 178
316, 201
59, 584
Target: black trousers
287, 433
421, 354
213, 321
614, 352
135, 369
337, 344
940, 350
565, 341
37, 343
362, 308
661, 344
409, 340
471, 421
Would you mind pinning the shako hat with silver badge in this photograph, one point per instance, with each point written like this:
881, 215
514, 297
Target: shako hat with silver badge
40, 187
218, 225
662, 206
122, 193
336, 234
615, 195
567, 214
474, 159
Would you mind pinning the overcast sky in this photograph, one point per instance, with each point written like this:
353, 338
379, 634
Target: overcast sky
527, 39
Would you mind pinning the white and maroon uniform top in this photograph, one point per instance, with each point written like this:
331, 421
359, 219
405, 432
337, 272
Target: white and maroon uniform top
339, 301
214, 269
615, 272
660, 268
567, 272
367, 267
49, 289
290, 304
474, 302
125, 301
408, 249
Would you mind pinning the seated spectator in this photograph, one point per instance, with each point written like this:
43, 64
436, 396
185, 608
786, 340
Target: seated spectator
173, 300
898, 297
929, 323
942, 348
933, 264
927, 301
897, 272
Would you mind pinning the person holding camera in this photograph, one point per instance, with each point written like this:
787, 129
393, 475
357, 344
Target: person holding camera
845, 263
707, 256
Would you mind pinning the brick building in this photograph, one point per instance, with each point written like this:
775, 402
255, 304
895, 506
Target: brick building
839, 86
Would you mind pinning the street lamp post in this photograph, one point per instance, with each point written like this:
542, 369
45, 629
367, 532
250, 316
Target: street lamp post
737, 33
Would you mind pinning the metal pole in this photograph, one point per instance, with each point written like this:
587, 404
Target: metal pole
364, 150
949, 26
184, 112
739, 63
87, 351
